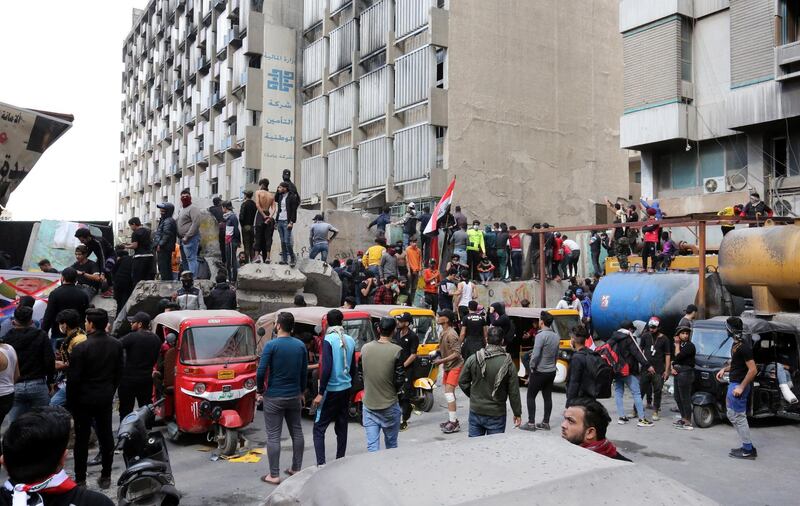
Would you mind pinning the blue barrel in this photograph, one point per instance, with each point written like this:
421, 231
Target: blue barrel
638, 296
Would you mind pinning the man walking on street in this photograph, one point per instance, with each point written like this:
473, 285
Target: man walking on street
284, 364
451, 360
742, 371
93, 376
247, 218
629, 353
318, 238
286, 214
384, 377
542, 372
164, 240
580, 379
657, 350
337, 371
189, 232
266, 210
474, 330
36, 360
408, 341
141, 353
488, 379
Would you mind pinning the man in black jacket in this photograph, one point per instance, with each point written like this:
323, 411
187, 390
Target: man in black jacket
93, 376
223, 295
217, 212
247, 218
141, 353
164, 240
533, 250
66, 296
101, 248
123, 277
37, 363
142, 246
624, 344
287, 202
580, 383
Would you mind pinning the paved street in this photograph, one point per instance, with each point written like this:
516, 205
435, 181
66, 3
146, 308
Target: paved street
698, 458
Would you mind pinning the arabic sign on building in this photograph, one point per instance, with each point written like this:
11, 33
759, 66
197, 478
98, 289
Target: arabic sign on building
279, 102
24, 135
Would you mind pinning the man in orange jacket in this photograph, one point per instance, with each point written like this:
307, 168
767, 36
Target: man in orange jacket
414, 261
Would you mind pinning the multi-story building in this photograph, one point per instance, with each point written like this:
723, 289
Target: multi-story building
712, 99
198, 81
517, 101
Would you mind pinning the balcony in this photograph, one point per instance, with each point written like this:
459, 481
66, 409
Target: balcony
412, 16
341, 168
314, 62
314, 118
203, 64
201, 157
414, 153
373, 94
374, 159
374, 27
414, 77
177, 86
343, 42
234, 37
787, 61
219, 5
313, 10
312, 178
342, 110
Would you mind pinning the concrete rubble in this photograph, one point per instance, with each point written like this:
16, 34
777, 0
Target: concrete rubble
322, 281
145, 297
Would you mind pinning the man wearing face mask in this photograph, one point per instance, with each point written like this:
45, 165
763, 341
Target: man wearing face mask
189, 296
756, 209
189, 232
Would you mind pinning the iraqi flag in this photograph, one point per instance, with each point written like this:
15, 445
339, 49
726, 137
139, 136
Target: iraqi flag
439, 211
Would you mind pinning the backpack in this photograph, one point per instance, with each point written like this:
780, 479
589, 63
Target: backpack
610, 356
602, 375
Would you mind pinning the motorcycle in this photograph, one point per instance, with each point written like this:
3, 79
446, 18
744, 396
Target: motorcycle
147, 479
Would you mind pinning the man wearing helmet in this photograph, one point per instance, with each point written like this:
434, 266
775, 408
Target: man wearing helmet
656, 348
569, 302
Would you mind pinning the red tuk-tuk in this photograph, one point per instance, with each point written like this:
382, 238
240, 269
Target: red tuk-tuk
310, 325
209, 374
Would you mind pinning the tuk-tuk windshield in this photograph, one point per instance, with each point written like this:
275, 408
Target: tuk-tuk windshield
425, 330
360, 330
563, 324
218, 344
712, 342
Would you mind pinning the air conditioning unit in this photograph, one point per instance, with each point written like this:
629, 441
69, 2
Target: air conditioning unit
714, 185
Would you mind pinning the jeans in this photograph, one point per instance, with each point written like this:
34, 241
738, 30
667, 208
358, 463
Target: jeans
133, 391
737, 414
486, 276
189, 253
387, 420
164, 261
683, 392
540, 381
60, 397
321, 249
651, 386
480, 425
502, 262
632, 382
85, 417
285, 232
247, 240
6, 403
574, 258
333, 409
535, 263
596, 263
276, 410
406, 238
28, 395
232, 261
516, 264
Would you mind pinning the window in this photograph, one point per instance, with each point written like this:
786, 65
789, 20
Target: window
441, 61
686, 50
215, 186
712, 161
681, 170
789, 19
637, 177
440, 136
251, 176
684, 170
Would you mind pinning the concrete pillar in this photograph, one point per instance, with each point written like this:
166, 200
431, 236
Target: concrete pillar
648, 174
756, 168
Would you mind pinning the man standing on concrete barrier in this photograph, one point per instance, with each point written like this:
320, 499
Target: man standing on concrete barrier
384, 377
284, 366
164, 240
189, 232
142, 246
318, 238
233, 239
287, 203
247, 217
414, 262
337, 371
488, 379
264, 221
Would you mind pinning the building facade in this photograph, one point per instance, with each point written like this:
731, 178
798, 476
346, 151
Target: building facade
518, 103
712, 98
198, 82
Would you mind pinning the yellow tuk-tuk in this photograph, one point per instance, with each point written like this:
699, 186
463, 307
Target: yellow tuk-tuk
424, 326
526, 324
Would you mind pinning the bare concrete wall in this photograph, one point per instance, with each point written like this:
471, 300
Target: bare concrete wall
353, 234
535, 96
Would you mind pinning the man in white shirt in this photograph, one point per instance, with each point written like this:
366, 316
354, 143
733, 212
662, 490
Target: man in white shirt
574, 256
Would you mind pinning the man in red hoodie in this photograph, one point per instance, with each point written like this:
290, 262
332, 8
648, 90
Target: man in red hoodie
585, 423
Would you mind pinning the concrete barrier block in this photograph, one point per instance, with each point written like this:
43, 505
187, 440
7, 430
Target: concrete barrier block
270, 278
322, 281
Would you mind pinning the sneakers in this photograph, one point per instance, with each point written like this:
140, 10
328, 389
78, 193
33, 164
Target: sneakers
530, 427
257, 259
644, 422
680, 424
451, 427
543, 426
403, 426
656, 416
623, 420
104, 482
96, 460
444, 424
741, 453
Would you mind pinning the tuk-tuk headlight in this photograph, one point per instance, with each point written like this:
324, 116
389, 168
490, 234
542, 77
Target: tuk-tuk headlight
249, 383
199, 388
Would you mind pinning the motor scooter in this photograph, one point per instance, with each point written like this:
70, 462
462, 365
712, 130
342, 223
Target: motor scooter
147, 479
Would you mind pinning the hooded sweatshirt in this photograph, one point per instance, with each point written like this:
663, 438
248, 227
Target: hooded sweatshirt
34, 353
500, 319
167, 232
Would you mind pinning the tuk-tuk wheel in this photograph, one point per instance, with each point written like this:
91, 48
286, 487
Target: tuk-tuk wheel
704, 416
227, 440
426, 399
